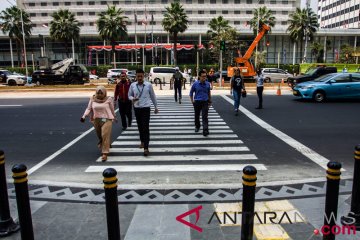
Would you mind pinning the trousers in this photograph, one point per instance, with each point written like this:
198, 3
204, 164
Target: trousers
203, 107
125, 109
103, 132
143, 121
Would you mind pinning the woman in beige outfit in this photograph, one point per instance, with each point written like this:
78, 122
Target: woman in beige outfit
102, 114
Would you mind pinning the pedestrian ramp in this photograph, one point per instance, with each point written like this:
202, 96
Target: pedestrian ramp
176, 147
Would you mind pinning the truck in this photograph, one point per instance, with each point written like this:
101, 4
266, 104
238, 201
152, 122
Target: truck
63, 72
246, 67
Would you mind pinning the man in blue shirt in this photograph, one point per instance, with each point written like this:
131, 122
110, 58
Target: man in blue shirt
201, 102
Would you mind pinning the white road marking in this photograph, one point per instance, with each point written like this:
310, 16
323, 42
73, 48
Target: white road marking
11, 105
309, 153
175, 168
174, 131
180, 128
192, 142
171, 120
181, 117
181, 123
175, 149
192, 136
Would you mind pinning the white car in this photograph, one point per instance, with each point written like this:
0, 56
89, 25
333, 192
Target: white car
92, 76
164, 73
12, 79
112, 73
275, 75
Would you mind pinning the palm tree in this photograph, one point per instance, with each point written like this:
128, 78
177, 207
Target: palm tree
11, 24
303, 25
262, 15
112, 26
64, 27
217, 26
175, 21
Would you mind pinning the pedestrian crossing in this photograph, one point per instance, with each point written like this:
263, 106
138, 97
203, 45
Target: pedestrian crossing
175, 147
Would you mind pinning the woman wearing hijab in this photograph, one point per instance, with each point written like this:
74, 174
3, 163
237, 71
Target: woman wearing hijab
102, 114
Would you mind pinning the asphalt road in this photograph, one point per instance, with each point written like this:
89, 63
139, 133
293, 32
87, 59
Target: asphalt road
38, 128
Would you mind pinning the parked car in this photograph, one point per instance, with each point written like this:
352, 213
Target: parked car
160, 73
310, 75
12, 79
93, 76
333, 85
275, 75
112, 73
131, 76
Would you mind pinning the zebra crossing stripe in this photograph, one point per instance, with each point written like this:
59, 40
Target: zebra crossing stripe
121, 137
192, 142
183, 120
176, 149
180, 128
182, 123
173, 132
168, 158
175, 168
182, 117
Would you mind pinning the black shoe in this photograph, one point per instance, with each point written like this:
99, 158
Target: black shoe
197, 129
175, 100
258, 108
124, 128
205, 133
146, 152
179, 101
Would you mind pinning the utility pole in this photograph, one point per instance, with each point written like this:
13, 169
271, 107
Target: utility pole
23, 33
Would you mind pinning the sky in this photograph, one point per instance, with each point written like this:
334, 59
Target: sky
5, 4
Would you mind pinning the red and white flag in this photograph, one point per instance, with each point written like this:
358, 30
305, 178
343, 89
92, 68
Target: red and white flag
145, 21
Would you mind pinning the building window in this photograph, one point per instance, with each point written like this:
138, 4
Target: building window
127, 2
140, 2
285, 2
55, 3
284, 13
237, 12
43, 4
272, 2
79, 3
201, 22
67, 3
190, 22
201, 1
213, 1
283, 23
201, 12
237, 1
128, 12
212, 12
140, 12
31, 4
188, 1
44, 14
236, 22
92, 24
164, 1
80, 13
248, 12
103, 2
225, 12
188, 12
92, 3
249, 1
261, 1
91, 13
152, 1
152, 12
225, 1
32, 14
81, 24
116, 2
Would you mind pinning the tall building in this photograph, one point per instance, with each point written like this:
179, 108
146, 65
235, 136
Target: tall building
339, 13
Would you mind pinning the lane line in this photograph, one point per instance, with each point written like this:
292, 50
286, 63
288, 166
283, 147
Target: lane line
304, 150
176, 149
136, 143
176, 168
11, 105
192, 136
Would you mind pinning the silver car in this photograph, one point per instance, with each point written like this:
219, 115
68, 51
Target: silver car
275, 75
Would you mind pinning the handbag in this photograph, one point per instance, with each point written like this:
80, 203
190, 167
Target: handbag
243, 93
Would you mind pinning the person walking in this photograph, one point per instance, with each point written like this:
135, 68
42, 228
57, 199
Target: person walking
211, 77
102, 114
142, 94
259, 88
201, 102
177, 78
121, 96
236, 88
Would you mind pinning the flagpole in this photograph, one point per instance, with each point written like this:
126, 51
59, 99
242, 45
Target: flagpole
144, 59
152, 38
135, 18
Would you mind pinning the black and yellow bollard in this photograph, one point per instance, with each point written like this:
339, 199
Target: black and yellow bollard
7, 224
332, 197
23, 202
111, 200
248, 204
353, 218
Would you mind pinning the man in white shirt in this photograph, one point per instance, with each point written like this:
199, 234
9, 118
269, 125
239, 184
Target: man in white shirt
141, 93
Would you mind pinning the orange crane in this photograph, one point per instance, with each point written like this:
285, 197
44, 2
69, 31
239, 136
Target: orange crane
246, 67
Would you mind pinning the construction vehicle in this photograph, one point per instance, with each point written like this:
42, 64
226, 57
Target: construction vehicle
63, 72
246, 67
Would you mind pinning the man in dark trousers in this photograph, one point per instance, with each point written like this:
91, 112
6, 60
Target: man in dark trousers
177, 78
125, 105
201, 102
141, 93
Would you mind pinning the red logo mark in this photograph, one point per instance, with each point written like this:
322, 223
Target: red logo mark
189, 224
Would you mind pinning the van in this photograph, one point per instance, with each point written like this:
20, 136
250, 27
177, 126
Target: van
160, 73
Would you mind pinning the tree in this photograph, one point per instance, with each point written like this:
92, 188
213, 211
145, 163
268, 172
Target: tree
175, 21
317, 50
11, 25
262, 15
303, 26
217, 26
112, 26
346, 53
64, 27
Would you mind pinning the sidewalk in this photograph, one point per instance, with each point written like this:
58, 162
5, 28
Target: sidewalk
58, 217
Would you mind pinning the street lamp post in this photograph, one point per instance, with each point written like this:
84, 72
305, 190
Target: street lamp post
258, 23
23, 33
